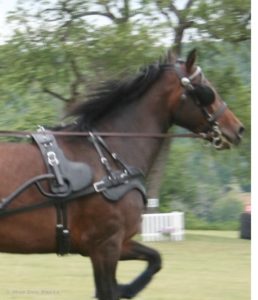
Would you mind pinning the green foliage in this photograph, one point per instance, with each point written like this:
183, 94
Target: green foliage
199, 182
25, 112
227, 209
195, 223
220, 14
112, 50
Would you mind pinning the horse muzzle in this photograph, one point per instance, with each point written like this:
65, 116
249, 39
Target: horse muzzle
222, 139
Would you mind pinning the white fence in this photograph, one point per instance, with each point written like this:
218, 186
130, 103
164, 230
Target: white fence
163, 226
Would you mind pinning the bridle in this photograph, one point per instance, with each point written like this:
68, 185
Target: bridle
214, 131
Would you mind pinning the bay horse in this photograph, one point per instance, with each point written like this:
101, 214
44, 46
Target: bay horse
162, 94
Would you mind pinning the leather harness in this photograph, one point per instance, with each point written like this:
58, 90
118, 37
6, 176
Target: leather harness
70, 180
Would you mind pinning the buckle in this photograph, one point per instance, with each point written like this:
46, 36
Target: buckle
99, 186
52, 159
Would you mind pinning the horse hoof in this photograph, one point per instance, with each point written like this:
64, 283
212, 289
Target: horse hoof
126, 292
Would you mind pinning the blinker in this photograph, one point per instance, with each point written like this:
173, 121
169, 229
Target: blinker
203, 93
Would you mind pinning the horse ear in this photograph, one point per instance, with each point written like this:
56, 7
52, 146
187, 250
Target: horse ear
191, 58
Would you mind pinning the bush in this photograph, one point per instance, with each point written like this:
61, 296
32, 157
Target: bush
227, 209
195, 223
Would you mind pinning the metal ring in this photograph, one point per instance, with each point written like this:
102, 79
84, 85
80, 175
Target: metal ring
185, 81
217, 143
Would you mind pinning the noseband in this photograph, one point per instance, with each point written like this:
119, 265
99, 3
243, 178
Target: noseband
216, 135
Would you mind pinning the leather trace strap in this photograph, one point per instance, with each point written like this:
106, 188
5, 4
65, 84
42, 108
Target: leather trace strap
99, 143
123, 178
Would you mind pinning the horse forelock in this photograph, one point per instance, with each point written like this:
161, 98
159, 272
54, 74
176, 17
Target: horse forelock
116, 94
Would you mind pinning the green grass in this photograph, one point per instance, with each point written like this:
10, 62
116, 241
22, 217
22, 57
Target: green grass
206, 266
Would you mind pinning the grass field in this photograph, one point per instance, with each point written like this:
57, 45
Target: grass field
206, 266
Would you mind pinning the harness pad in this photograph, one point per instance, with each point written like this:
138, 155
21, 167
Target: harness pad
114, 190
77, 174
116, 193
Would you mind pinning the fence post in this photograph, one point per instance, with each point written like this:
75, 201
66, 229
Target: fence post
163, 226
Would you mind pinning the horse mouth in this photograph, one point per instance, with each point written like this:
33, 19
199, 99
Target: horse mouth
223, 141
226, 141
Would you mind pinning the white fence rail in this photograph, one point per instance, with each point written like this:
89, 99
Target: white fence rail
163, 226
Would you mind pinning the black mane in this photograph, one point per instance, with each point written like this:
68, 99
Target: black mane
116, 94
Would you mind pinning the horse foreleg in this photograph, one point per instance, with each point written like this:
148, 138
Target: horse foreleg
104, 261
136, 251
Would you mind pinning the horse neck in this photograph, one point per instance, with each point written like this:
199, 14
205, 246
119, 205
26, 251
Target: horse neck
146, 115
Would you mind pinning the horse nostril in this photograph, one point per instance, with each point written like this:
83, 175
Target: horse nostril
241, 130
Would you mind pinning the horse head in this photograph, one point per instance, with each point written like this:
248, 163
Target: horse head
198, 107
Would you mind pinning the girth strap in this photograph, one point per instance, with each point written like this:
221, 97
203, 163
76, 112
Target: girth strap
62, 231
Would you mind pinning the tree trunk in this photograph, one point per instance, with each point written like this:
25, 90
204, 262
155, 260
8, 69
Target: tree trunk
156, 173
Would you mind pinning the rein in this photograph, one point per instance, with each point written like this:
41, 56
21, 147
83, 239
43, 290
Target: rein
28, 134
186, 81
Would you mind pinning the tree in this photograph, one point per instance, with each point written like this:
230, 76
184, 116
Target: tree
59, 56
67, 37
235, 16
204, 19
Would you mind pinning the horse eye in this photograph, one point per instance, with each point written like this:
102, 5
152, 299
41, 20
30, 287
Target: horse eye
204, 94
